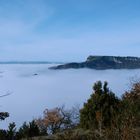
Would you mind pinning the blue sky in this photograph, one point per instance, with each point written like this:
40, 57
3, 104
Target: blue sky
68, 30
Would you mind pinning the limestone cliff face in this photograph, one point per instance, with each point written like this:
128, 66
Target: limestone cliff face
104, 62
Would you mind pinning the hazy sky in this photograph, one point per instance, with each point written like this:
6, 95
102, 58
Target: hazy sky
68, 30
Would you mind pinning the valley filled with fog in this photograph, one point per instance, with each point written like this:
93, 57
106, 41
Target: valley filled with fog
33, 87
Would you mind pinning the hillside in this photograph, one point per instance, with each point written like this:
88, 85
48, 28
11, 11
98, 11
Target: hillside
104, 62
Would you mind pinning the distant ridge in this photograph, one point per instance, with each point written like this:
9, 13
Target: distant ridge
29, 62
104, 62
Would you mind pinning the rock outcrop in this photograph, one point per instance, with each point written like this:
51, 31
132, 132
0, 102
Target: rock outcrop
104, 62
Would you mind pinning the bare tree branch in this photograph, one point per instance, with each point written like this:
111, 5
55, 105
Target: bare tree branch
4, 95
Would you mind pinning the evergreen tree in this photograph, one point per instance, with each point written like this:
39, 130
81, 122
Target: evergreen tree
11, 132
100, 109
28, 130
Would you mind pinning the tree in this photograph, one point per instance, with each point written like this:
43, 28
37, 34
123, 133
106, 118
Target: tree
131, 103
3, 134
129, 122
100, 108
27, 130
58, 119
11, 132
33, 129
4, 115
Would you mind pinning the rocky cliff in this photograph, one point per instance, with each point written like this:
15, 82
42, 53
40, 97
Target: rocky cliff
104, 62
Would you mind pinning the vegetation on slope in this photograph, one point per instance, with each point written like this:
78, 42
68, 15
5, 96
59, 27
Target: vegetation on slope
103, 116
